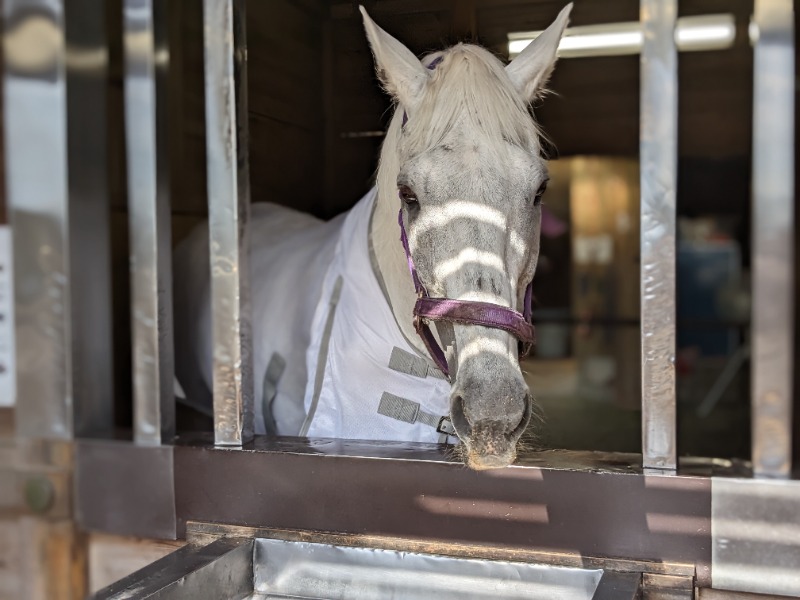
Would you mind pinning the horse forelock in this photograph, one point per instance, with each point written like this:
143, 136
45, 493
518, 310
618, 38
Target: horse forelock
469, 88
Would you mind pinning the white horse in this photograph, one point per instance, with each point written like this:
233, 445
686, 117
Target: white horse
335, 347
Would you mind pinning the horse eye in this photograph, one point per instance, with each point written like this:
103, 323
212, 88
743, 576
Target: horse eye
537, 200
407, 195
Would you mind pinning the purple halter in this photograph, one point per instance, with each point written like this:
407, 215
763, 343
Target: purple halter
465, 312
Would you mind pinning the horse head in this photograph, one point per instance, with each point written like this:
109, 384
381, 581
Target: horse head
462, 163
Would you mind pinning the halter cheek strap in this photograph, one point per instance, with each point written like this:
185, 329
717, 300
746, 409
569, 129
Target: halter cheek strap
464, 312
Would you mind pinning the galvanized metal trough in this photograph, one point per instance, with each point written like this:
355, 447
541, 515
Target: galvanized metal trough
261, 568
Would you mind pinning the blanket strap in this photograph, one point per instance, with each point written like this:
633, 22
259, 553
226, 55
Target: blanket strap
409, 411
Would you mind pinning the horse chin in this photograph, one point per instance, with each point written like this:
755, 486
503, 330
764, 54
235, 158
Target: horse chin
489, 447
484, 462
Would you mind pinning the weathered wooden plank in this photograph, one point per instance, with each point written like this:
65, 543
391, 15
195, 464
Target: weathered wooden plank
6, 421
113, 557
10, 559
52, 560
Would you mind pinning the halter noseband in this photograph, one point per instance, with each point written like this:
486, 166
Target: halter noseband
464, 312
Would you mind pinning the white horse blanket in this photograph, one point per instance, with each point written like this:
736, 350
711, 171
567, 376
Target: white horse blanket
329, 357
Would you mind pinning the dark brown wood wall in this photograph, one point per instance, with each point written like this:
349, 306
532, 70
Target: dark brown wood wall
285, 105
286, 110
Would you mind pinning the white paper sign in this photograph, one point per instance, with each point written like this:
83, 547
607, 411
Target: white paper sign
7, 355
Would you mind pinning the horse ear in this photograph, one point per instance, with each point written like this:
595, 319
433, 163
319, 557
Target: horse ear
531, 69
401, 73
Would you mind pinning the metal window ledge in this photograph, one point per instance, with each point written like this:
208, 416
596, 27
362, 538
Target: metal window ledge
414, 491
572, 509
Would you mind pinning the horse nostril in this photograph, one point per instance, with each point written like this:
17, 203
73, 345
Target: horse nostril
526, 417
459, 419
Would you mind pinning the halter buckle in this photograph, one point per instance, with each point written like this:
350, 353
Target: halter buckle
446, 426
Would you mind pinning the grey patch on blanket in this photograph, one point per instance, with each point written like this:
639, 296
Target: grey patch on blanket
272, 376
408, 411
322, 358
412, 364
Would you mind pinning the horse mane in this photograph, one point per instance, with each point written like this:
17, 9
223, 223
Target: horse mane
469, 83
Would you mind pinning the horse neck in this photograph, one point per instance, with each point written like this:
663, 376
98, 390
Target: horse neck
385, 233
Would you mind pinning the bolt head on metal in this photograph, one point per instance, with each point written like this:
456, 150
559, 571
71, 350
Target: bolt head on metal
39, 494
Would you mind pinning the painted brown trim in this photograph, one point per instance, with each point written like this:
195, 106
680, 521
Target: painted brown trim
425, 496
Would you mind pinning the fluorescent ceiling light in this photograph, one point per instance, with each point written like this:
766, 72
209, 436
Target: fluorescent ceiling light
707, 32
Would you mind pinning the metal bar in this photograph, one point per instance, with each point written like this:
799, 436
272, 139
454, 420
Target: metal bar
59, 215
36, 157
89, 218
755, 536
223, 569
658, 158
228, 210
619, 586
773, 238
146, 64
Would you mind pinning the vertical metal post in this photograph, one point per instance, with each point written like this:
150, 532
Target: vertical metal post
228, 209
89, 217
55, 109
36, 157
773, 238
658, 159
146, 66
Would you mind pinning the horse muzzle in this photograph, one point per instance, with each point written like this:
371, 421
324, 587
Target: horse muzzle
491, 441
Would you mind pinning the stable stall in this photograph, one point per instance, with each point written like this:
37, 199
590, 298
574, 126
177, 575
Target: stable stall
127, 123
